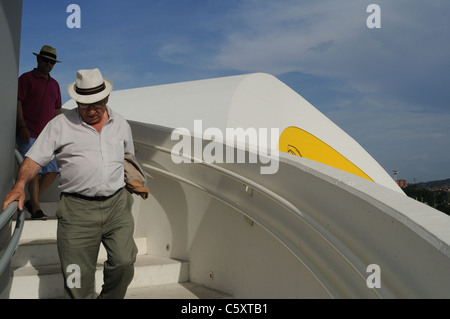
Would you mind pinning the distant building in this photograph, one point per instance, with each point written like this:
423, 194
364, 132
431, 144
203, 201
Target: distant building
402, 183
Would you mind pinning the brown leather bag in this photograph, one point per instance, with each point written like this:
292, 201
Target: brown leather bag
135, 179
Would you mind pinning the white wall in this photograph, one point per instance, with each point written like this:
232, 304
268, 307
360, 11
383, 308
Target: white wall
309, 231
10, 25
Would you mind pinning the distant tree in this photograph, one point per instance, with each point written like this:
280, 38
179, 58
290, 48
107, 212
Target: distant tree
445, 208
438, 199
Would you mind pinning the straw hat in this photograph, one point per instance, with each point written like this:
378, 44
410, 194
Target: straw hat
48, 52
90, 87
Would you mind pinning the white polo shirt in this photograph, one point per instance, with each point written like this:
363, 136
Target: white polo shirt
90, 163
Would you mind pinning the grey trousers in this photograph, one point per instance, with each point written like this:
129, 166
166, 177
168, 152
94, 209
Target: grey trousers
82, 226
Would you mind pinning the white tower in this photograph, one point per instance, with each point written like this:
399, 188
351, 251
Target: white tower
395, 174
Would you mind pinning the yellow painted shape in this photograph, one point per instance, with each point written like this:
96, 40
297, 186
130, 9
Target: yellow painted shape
296, 141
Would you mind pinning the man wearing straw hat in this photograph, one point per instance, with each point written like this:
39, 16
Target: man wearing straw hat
38, 101
89, 143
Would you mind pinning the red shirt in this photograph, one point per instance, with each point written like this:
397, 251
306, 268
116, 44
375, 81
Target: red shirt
39, 97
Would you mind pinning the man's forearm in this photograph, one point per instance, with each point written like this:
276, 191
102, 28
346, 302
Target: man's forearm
27, 171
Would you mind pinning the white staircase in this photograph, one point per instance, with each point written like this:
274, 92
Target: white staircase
36, 272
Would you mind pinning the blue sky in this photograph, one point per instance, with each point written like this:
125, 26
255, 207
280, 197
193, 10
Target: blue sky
386, 87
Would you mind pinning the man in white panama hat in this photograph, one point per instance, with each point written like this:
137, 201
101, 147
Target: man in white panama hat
38, 101
89, 143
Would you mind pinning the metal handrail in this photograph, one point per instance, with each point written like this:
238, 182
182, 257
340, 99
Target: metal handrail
5, 217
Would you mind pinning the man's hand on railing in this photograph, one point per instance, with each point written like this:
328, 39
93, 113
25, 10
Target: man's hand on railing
27, 171
17, 193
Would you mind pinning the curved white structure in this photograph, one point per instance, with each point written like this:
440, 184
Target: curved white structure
308, 231
247, 101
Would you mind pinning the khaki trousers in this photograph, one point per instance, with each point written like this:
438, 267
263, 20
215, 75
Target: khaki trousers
82, 226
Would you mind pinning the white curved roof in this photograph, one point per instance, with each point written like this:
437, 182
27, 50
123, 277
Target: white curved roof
255, 100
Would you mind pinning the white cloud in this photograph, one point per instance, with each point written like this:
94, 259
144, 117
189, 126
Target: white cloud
396, 77
176, 50
388, 88
330, 38
283, 36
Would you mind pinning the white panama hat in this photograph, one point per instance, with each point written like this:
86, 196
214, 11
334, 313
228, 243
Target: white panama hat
90, 87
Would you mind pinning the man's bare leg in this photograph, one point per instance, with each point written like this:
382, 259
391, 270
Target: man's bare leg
37, 187
33, 189
45, 181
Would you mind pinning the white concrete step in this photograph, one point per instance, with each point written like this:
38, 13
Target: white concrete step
36, 271
46, 281
39, 229
185, 290
38, 252
49, 209
151, 271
